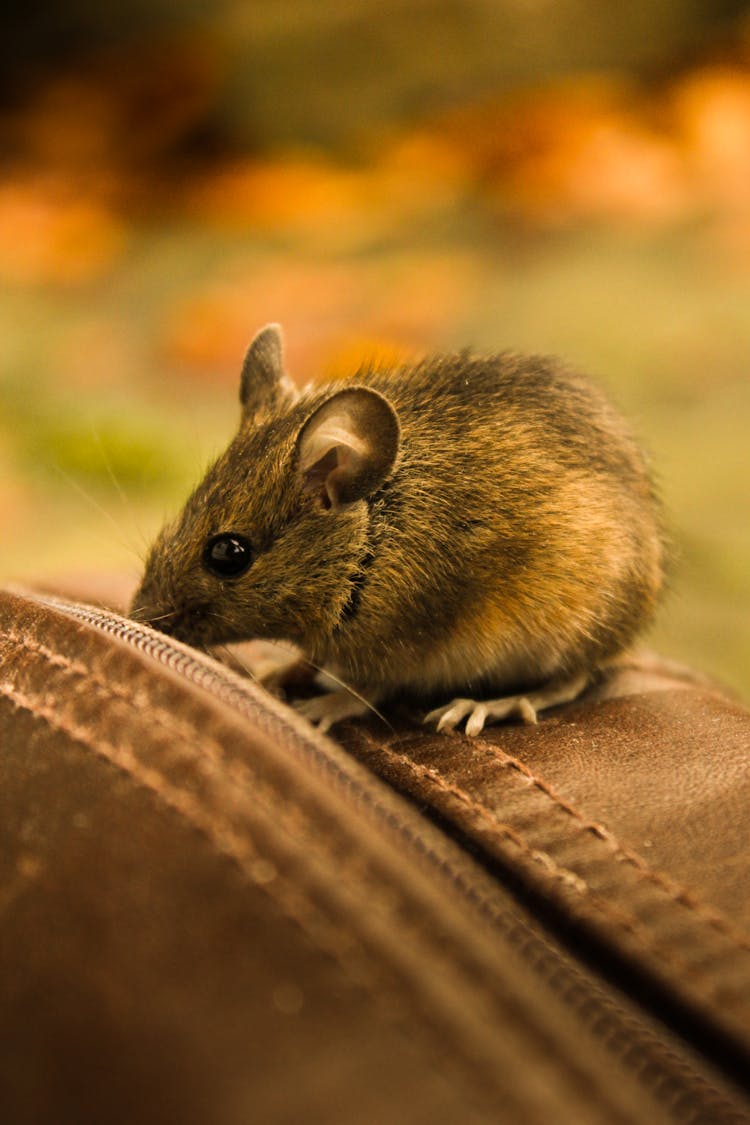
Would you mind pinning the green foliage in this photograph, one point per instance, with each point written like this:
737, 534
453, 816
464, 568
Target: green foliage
102, 448
91, 438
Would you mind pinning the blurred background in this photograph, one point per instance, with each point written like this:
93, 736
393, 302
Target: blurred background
385, 179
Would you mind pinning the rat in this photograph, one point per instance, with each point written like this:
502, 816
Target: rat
477, 534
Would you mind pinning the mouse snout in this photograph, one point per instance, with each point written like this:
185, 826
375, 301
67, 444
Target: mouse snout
183, 620
188, 622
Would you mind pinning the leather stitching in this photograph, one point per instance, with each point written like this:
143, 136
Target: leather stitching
623, 919
354, 959
247, 779
152, 780
676, 892
223, 840
157, 715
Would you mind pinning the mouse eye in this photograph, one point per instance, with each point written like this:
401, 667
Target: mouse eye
227, 555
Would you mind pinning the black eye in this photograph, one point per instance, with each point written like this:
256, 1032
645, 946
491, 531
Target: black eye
227, 555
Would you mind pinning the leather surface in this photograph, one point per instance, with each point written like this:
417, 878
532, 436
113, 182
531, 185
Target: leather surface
200, 922
629, 810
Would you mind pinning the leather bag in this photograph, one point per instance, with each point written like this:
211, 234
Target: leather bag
211, 914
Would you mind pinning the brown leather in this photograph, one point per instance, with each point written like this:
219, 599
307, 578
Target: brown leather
212, 914
630, 815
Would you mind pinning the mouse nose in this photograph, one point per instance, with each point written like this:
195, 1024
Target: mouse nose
184, 622
164, 622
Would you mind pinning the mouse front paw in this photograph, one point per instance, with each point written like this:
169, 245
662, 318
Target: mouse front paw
276, 666
331, 707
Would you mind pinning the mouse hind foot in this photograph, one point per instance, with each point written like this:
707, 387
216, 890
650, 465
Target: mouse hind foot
478, 712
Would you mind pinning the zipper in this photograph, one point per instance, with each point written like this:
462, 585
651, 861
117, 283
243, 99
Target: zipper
639, 1045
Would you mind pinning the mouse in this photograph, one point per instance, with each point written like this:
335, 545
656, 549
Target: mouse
477, 534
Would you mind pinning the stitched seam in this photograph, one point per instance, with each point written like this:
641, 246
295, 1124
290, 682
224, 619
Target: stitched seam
266, 792
620, 917
543, 859
240, 771
354, 960
262, 789
223, 839
676, 892
160, 792
210, 748
157, 715
376, 746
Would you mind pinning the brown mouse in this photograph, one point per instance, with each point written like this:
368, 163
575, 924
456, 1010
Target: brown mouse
478, 534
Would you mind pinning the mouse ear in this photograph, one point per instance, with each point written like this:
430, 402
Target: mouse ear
263, 383
348, 446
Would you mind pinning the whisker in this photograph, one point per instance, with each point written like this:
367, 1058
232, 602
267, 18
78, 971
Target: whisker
108, 464
317, 668
161, 617
78, 487
234, 658
124, 498
347, 687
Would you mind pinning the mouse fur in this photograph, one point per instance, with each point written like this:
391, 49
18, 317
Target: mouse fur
464, 524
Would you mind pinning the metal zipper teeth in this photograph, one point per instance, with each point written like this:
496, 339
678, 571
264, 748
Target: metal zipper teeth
638, 1047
